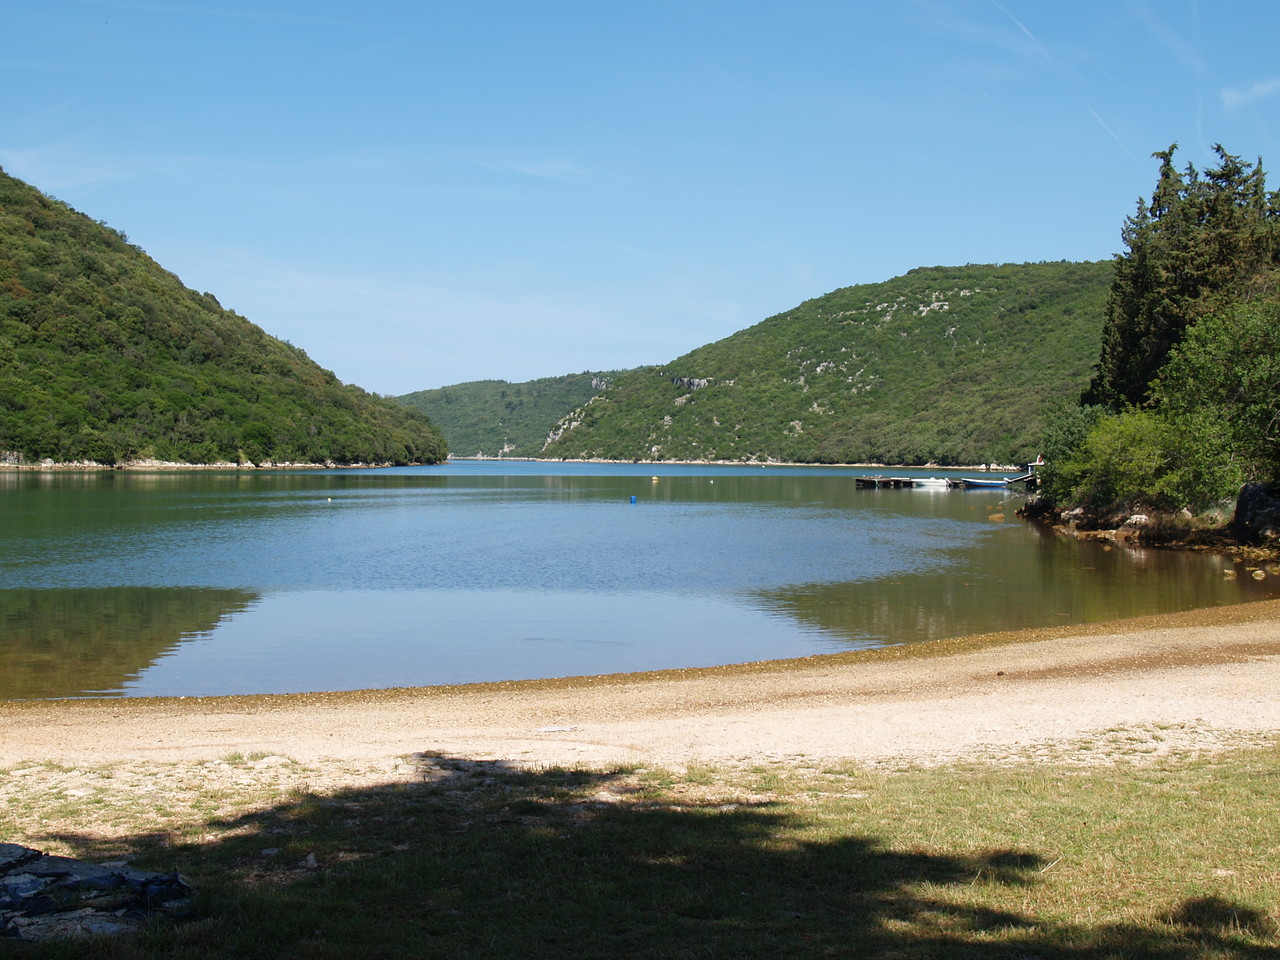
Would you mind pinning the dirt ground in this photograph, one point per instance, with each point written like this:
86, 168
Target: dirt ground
1194, 682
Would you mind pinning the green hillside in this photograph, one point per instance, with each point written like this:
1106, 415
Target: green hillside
949, 365
107, 357
495, 418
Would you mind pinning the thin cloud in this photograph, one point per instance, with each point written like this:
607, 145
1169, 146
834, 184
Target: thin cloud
970, 30
1111, 133
1233, 98
1062, 72
1023, 27
1185, 52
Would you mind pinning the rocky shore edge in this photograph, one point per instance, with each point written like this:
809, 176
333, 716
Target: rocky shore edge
1252, 531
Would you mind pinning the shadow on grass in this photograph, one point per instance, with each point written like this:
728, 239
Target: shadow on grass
481, 860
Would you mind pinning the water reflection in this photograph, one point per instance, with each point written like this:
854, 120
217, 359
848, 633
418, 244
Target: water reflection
332, 580
1070, 582
71, 643
339, 640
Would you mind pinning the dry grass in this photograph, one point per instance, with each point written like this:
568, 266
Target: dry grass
1146, 855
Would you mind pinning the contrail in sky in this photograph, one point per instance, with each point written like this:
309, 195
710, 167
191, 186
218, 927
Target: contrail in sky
1045, 53
1111, 133
1023, 27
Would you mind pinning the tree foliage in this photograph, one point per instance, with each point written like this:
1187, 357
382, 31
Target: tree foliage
1064, 437
495, 418
1203, 241
105, 356
1220, 395
1189, 374
950, 365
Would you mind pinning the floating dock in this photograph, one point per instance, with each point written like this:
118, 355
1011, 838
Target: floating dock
884, 482
898, 483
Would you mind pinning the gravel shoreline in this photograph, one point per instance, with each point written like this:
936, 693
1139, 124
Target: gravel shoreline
1197, 681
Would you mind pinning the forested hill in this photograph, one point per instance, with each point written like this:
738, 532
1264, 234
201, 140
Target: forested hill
105, 356
496, 418
947, 365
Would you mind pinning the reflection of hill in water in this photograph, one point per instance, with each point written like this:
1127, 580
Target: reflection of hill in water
1072, 583
68, 643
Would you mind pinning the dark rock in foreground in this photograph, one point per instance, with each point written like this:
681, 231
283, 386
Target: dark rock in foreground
1257, 516
45, 897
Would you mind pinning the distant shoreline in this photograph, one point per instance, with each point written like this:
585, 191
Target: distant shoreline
980, 467
88, 466
139, 465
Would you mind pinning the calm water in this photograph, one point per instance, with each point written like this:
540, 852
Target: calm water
191, 584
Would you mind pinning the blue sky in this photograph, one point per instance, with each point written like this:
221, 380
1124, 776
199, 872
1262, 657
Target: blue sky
423, 193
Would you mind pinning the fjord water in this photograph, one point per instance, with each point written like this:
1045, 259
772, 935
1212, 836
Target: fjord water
204, 583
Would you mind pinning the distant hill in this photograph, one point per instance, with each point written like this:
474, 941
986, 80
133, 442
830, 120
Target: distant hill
946, 365
105, 356
494, 418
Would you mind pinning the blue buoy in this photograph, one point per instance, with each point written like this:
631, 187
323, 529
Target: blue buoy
633, 498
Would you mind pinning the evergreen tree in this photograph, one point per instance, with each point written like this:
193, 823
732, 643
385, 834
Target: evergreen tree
1204, 241
1190, 364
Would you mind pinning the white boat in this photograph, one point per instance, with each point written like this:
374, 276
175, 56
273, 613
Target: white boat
930, 482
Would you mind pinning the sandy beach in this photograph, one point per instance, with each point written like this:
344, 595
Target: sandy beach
1192, 682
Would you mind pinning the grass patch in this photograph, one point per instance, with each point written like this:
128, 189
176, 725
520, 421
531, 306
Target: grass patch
1179, 859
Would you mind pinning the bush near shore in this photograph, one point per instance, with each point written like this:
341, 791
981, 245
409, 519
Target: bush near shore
1183, 409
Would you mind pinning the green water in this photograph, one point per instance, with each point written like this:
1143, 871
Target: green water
203, 583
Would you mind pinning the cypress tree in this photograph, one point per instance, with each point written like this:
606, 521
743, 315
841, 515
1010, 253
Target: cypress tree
1203, 241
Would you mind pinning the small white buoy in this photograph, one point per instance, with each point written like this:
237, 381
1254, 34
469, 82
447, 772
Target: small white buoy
331, 499
654, 479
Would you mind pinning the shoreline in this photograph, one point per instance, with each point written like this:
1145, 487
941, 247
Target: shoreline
167, 466
1218, 616
977, 468
93, 467
1202, 680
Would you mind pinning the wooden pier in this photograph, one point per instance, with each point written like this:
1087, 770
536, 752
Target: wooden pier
879, 483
